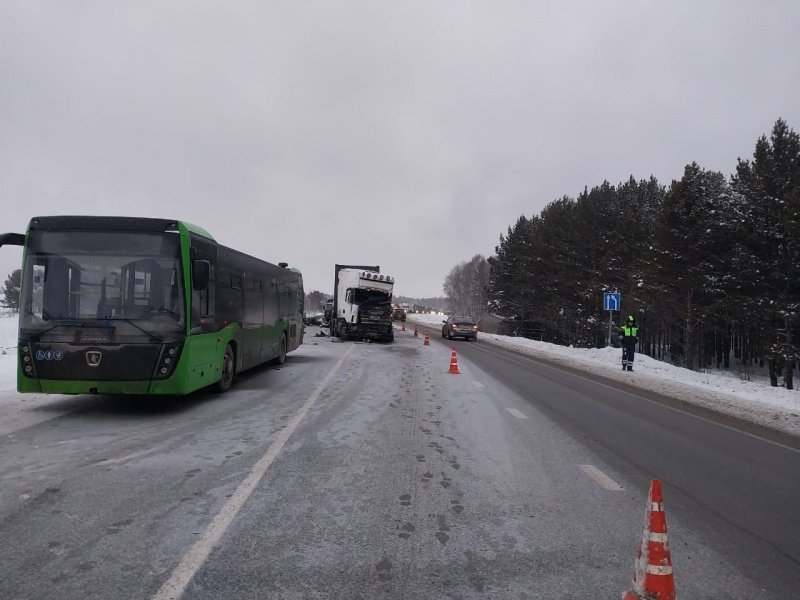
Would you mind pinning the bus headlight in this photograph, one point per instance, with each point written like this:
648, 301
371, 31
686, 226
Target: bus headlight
26, 359
170, 353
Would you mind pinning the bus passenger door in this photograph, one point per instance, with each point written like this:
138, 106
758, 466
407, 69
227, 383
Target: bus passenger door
203, 344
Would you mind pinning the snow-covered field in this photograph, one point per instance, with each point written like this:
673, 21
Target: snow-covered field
721, 391
18, 411
8, 353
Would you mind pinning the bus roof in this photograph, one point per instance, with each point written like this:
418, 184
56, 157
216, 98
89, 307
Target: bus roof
113, 224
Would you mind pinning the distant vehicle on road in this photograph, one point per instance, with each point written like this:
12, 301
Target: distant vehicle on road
327, 311
399, 314
313, 319
460, 326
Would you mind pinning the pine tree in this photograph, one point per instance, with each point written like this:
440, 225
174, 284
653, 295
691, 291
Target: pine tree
689, 255
511, 271
712, 268
10, 290
771, 185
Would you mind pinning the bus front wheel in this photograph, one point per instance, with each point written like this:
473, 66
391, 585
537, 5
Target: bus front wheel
228, 369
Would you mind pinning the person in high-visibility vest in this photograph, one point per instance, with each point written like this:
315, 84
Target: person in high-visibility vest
628, 336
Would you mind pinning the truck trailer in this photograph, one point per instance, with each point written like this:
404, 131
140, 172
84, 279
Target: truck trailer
362, 304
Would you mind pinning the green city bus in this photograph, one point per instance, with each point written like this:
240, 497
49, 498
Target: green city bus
129, 305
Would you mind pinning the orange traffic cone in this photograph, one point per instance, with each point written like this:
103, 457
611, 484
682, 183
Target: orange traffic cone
416, 334
427, 341
454, 363
652, 577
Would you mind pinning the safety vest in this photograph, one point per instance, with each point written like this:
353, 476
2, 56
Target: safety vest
628, 331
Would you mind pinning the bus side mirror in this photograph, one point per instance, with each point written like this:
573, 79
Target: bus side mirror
12, 239
200, 274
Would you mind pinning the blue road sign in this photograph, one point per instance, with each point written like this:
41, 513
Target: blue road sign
612, 301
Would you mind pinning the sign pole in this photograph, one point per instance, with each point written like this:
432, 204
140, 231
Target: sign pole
611, 302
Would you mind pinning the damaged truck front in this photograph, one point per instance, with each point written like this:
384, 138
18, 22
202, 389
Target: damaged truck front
362, 304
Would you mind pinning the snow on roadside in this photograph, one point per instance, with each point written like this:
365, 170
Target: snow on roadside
720, 391
8, 353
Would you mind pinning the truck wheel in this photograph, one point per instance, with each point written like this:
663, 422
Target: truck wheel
343, 331
228, 370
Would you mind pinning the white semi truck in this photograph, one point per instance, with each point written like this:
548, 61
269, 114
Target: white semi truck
362, 304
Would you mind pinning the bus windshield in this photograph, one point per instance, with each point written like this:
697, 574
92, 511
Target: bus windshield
91, 277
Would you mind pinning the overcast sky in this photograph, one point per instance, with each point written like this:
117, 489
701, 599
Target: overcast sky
404, 134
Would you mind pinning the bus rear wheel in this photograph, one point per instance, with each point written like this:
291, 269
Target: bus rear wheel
282, 351
228, 370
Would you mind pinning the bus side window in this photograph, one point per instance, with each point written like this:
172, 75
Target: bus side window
285, 301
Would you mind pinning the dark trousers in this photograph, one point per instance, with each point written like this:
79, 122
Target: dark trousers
628, 350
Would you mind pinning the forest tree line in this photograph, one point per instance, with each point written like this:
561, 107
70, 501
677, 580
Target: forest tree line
710, 266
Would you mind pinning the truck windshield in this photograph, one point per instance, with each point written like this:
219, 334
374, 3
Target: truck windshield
364, 297
88, 277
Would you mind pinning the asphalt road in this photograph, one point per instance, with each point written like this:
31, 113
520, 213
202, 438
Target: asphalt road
734, 483
367, 471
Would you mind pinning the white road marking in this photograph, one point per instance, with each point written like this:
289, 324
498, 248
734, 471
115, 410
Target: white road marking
191, 562
601, 478
516, 413
478, 384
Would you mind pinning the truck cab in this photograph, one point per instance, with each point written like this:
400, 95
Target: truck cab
362, 304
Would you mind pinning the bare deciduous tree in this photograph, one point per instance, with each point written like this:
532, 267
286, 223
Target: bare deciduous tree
465, 287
